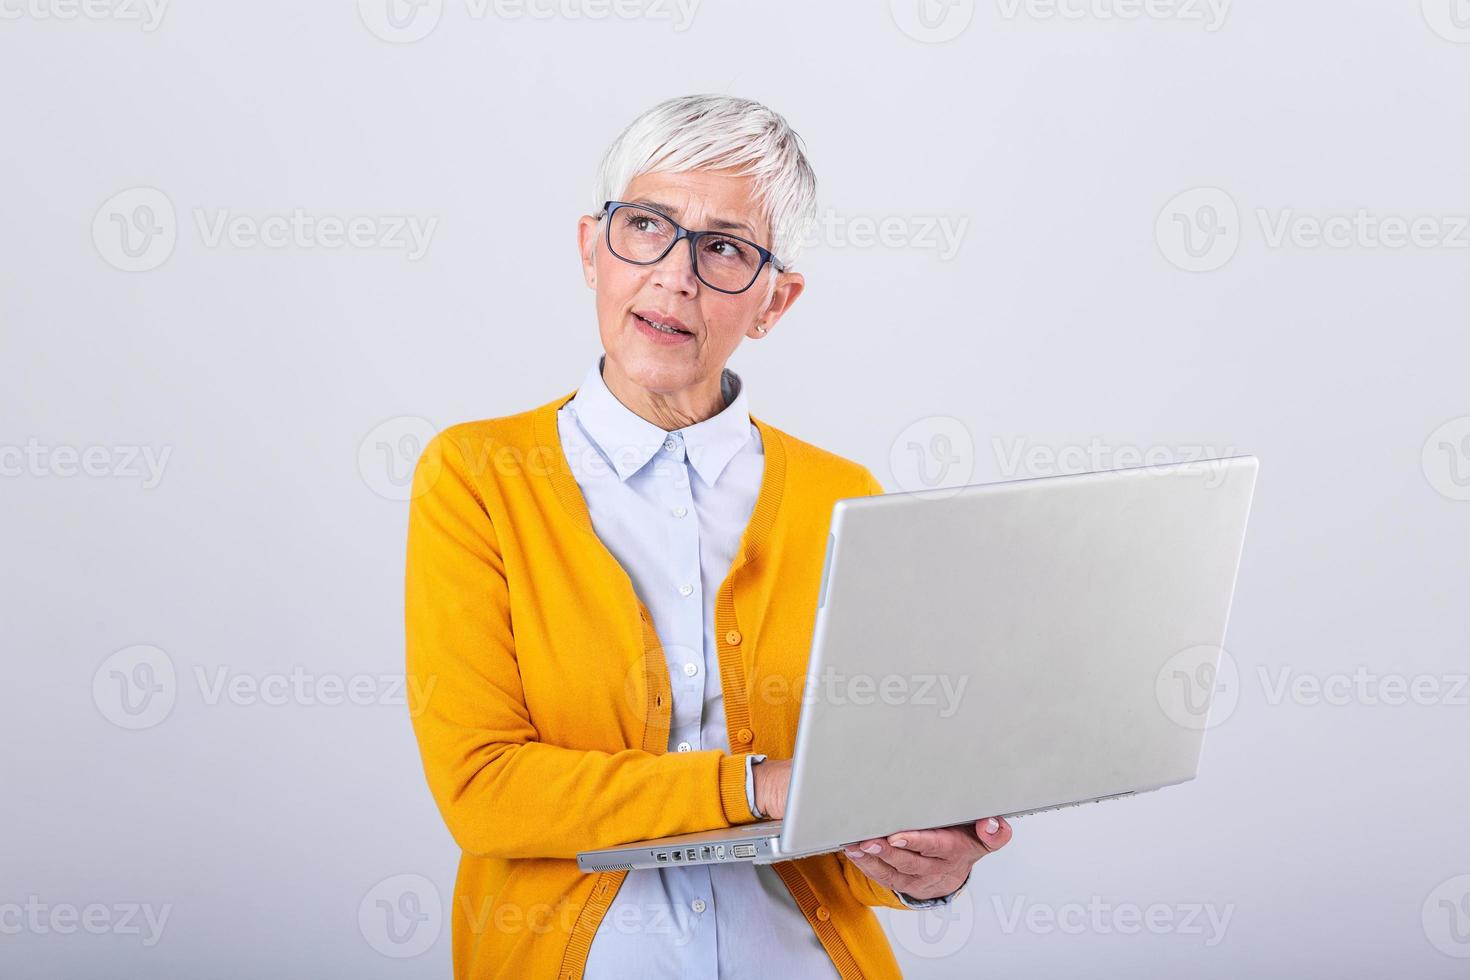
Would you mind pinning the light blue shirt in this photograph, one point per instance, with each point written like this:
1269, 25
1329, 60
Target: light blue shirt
671, 507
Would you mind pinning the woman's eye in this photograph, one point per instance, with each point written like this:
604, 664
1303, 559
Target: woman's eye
726, 249
643, 223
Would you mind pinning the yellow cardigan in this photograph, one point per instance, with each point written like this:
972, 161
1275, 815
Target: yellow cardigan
545, 728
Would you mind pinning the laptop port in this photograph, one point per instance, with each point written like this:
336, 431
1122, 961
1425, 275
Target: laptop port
719, 852
678, 855
661, 856
704, 852
743, 850
692, 854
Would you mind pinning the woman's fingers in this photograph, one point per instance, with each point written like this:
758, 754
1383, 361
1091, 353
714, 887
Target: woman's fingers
994, 833
900, 859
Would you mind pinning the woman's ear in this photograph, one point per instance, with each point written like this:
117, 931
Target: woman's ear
587, 247
789, 285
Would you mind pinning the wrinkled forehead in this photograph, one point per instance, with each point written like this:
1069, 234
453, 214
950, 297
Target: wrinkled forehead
703, 201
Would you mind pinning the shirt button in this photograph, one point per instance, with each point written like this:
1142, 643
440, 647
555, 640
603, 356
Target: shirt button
685, 589
691, 669
680, 511
685, 746
822, 913
733, 638
669, 445
698, 905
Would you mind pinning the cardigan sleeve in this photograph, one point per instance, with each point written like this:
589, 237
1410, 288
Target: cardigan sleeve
871, 486
500, 791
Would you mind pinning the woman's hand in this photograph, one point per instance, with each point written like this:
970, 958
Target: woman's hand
929, 863
919, 863
772, 777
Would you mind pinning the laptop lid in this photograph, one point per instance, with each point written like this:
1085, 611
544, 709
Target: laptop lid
1001, 648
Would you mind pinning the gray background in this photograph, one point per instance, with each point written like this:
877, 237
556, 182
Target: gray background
290, 386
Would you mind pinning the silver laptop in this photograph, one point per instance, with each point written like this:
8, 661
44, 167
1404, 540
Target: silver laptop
999, 650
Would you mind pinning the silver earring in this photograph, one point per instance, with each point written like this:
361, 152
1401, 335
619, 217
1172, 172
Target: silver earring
760, 328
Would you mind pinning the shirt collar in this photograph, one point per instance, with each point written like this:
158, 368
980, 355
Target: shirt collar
629, 441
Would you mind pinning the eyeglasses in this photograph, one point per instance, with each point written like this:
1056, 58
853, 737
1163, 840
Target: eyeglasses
642, 236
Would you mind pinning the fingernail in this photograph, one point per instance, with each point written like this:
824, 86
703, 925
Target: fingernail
851, 853
992, 826
899, 842
873, 848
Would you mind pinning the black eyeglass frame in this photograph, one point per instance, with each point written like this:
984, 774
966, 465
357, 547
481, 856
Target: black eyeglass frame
609, 208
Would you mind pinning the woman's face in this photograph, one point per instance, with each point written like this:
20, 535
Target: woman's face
683, 370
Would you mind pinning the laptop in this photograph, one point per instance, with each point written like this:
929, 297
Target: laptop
999, 650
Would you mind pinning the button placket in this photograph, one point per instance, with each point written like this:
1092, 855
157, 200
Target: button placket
684, 535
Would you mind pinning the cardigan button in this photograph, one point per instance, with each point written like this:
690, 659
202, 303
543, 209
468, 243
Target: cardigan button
733, 638
822, 913
744, 735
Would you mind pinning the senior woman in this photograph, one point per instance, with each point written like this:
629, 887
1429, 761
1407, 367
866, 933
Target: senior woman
607, 592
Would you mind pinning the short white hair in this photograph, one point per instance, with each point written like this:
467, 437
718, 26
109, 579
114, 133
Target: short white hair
720, 132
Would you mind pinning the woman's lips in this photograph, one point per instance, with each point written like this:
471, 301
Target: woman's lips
658, 336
